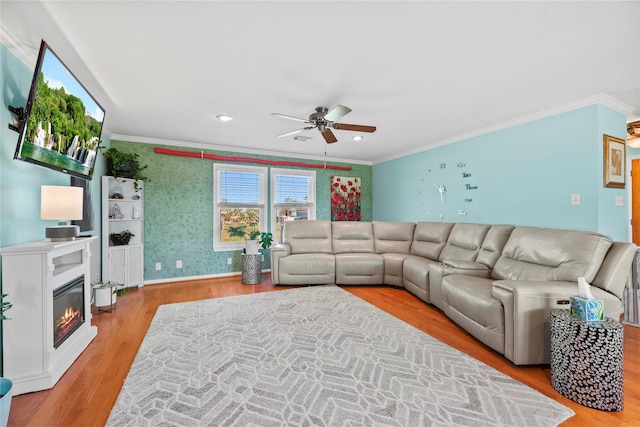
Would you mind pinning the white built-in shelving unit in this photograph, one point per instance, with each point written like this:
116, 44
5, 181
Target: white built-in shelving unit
123, 209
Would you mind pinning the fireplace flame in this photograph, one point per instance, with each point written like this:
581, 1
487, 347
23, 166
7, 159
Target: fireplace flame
68, 317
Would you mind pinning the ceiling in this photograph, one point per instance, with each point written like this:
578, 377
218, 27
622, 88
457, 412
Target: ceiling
425, 73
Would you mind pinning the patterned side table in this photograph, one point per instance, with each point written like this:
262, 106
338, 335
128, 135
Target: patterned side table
587, 360
251, 269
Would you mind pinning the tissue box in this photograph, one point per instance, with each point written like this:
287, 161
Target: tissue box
589, 309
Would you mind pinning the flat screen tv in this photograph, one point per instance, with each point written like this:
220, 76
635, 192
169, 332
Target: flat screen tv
61, 124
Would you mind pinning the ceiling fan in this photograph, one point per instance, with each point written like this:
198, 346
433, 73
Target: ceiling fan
324, 120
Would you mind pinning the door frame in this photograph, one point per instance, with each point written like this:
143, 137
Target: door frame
630, 194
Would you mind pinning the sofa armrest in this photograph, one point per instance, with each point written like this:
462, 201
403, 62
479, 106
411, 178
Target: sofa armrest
448, 267
527, 305
278, 251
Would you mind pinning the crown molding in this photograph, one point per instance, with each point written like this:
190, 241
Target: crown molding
601, 99
228, 148
26, 54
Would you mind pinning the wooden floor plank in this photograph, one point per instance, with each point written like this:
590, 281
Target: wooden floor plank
86, 393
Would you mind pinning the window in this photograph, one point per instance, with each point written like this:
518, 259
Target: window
293, 195
239, 204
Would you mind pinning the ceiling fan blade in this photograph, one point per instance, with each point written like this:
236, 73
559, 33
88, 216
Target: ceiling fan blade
293, 132
336, 113
357, 128
284, 116
329, 136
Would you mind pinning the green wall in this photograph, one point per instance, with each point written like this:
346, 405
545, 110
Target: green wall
178, 208
522, 175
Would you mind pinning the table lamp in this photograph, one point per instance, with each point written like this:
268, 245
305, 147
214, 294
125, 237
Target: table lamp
62, 204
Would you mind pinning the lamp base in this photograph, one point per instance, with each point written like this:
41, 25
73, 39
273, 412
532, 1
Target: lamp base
62, 233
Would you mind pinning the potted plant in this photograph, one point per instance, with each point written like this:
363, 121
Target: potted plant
264, 238
5, 384
107, 293
124, 165
253, 239
121, 238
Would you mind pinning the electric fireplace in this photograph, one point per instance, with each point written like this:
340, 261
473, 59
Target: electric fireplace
68, 309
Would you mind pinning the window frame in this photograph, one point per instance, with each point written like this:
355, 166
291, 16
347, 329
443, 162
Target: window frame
310, 204
218, 245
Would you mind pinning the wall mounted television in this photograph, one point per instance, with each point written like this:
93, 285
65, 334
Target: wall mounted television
60, 126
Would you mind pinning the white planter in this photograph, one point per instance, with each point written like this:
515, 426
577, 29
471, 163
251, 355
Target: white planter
252, 247
5, 401
104, 297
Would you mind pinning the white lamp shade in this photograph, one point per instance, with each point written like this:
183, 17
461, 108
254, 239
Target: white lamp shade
61, 203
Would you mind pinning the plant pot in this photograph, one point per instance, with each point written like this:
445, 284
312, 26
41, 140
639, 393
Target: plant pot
119, 240
122, 170
252, 247
6, 391
105, 296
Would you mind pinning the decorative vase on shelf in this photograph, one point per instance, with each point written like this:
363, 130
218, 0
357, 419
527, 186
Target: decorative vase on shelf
5, 400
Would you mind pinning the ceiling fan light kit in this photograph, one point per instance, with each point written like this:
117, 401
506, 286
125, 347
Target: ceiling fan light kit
324, 120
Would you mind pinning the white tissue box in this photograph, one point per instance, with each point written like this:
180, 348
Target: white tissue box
589, 309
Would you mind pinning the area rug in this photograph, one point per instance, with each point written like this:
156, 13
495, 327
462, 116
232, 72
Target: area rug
315, 356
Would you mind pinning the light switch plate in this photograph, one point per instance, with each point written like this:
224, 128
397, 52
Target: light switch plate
575, 199
619, 201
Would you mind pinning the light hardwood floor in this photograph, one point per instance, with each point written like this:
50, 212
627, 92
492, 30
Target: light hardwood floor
86, 393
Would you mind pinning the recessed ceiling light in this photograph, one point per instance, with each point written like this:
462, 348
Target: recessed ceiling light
357, 138
224, 118
302, 138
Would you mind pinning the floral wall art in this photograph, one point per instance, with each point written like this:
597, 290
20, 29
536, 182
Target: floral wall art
345, 198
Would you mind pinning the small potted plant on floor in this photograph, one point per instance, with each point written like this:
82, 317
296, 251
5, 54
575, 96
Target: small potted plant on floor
106, 293
5, 384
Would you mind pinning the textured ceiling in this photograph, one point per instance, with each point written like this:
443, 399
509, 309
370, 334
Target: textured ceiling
424, 73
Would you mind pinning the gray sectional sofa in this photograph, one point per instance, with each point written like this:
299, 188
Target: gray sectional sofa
498, 282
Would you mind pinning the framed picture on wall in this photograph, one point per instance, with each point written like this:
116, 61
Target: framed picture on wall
614, 162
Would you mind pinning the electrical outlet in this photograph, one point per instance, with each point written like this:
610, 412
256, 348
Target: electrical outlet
179, 263
229, 261
158, 266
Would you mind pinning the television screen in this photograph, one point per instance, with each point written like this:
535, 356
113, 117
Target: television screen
62, 122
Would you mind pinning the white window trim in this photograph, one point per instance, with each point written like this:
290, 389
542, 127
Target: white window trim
311, 204
217, 245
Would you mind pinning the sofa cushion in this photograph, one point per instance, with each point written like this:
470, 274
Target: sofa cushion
350, 236
493, 244
393, 237
464, 242
469, 302
429, 239
393, 263
308, 236
533, 253
415, 276
359, 269
307, 269
614, 272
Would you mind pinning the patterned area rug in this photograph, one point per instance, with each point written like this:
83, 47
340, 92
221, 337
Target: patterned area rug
315, 356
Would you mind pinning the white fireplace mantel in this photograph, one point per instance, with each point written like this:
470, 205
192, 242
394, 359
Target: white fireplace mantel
30, 273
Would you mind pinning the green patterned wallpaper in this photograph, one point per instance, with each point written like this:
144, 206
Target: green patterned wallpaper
178, 209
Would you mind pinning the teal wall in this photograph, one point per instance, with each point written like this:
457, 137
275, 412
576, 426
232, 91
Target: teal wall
178, 209
20, 181
524, 175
